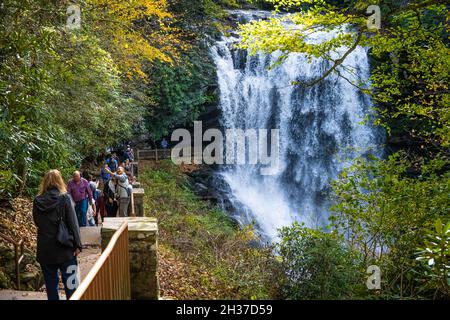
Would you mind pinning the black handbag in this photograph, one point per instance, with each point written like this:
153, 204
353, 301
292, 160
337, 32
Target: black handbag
63, 235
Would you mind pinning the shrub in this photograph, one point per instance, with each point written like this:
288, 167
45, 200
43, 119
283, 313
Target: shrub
317, 265
435, 251
383, 208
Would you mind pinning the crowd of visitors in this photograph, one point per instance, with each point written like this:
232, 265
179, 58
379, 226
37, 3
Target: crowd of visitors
59, 210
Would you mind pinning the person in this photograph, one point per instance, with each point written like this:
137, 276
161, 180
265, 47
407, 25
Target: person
100, 206
115, 162
91, 217
112, 162
96, 194
92, 212
122, 191
127, 166
51, 203
109, 199
129, 154
93, 183
164, 143
104, 175
78, 188
130, 157
131, 179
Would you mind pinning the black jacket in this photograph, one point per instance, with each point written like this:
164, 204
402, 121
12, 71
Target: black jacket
108, 194
46, 210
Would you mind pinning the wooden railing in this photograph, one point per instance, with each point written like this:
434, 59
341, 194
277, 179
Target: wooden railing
109, 279
158, 154
18, 255
153, 154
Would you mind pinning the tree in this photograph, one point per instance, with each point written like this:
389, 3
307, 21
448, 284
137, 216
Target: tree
134, 32
65, 93
412, 74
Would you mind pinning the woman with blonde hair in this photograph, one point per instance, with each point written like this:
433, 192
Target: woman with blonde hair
51, 207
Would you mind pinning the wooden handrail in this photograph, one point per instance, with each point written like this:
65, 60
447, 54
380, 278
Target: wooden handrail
18, 256
157, 154
109, 278
153, 154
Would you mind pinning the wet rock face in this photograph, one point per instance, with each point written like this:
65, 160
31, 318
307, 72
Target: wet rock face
200, 189
202, 183
209, 185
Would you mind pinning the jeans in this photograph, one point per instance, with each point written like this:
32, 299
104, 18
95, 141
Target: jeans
123, 207
81, 208
68, 274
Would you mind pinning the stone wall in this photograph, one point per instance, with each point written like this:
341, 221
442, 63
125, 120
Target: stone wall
143, 246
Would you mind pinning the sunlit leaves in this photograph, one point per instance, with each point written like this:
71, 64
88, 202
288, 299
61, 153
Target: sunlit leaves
64, 93
411, 77
134, 32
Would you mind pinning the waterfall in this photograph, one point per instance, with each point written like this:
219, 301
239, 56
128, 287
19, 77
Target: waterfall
321, 129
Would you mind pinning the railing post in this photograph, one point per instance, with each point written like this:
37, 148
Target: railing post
16, 264
138, 169
138, 205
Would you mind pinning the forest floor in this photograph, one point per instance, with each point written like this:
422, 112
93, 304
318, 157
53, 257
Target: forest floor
16, 221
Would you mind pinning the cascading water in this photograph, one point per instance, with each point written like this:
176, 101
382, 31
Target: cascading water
321, 130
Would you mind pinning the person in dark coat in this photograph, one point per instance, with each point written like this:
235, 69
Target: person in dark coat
109, 200
51, 203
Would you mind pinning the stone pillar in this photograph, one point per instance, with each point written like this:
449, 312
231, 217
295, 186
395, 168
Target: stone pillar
143, 245
135, 168
136, 184
138, 199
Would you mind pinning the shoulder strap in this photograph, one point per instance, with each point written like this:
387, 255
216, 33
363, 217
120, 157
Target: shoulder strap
126, 188
62, 206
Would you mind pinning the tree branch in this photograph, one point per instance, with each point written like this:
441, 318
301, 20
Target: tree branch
336, 64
